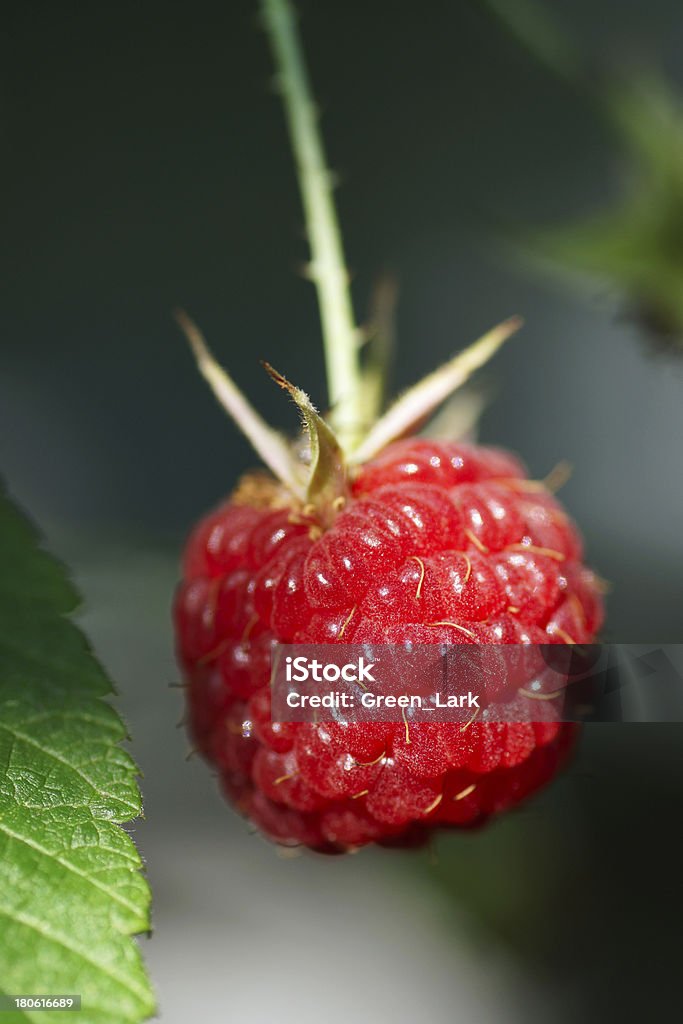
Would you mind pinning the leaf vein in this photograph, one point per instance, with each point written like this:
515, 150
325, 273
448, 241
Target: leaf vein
128, 904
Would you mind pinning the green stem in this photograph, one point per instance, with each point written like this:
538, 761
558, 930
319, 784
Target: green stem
328, 269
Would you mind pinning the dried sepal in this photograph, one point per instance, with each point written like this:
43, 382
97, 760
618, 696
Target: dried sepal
417, 403
458, 419
327, 473
273, 449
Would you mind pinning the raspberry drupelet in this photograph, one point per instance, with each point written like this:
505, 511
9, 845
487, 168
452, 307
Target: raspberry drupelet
435, 543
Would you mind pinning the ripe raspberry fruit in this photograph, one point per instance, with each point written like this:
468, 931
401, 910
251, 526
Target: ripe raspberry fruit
430, 532
358, 536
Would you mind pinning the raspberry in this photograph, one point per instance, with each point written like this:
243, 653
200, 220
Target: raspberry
430, 532
359, 537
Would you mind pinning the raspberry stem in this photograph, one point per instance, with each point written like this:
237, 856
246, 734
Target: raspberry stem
327, 269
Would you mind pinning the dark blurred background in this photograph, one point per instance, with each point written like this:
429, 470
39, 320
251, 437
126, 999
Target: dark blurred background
147, 166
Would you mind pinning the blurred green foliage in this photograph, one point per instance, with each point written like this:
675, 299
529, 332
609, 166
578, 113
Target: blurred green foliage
636, 245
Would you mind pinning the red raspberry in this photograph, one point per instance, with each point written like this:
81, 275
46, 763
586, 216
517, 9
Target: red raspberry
450, 533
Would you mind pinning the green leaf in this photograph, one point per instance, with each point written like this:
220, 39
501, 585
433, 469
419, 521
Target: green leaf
71, 891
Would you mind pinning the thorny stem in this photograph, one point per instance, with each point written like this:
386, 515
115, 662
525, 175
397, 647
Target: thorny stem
328, 269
